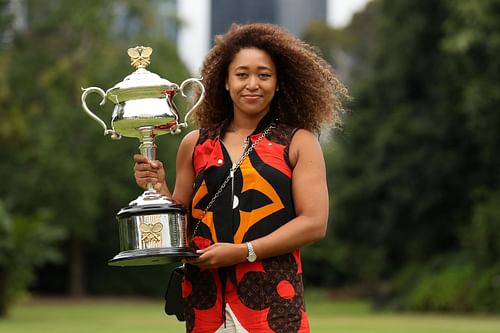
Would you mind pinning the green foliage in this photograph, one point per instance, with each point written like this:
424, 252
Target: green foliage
447, 288
59, 160
482, 237
486, 289
448, 283
27, 243
414, 175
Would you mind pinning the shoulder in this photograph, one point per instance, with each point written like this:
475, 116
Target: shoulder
303, 142
302, 139
189, 141
282, 133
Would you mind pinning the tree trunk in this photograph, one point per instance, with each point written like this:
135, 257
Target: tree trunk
4, 302
76, 268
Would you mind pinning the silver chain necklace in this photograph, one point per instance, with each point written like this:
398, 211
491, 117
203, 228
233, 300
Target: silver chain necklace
231, 172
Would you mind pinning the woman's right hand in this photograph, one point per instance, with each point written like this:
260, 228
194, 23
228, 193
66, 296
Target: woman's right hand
146, 171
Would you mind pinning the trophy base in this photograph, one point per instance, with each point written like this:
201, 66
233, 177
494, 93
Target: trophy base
149, 257
152, 234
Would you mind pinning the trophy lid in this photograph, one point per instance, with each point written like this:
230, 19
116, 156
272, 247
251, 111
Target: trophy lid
141, 83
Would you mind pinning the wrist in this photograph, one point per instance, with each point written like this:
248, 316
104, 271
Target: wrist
241, 253
251, 255
163, 189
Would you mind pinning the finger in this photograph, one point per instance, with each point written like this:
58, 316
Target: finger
200, 258
139, 158
156, 164
152, 180
191, 261
145, 175
144, 167
143, 178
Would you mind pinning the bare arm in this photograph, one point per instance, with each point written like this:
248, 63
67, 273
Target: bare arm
184, 170
310, 195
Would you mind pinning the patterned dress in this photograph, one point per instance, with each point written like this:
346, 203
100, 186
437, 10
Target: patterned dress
266, 295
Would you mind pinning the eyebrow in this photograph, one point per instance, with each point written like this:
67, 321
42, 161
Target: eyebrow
259, 67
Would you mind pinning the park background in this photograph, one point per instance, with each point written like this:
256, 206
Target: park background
414, 173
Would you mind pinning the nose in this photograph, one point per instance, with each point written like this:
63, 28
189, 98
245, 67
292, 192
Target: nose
253, 82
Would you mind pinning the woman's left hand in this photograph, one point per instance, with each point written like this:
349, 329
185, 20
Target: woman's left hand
219, 255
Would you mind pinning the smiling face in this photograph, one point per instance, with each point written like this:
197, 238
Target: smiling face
252, 82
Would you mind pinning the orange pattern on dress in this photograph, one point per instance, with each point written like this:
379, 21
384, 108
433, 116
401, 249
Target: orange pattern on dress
208, 218
252, 180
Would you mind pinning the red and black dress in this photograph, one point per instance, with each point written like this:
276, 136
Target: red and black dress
266, 295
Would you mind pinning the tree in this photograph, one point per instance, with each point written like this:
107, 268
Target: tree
27, 243
58, 158
414, 175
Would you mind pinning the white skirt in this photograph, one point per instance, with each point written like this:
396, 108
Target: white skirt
232, 323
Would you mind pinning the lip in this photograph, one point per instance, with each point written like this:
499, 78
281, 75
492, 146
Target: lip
251, 97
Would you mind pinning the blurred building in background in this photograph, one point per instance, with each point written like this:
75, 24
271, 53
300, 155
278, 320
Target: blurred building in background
163, 15
293, 15
15, 14
203, 19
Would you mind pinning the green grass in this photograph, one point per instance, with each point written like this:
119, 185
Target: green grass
127, 316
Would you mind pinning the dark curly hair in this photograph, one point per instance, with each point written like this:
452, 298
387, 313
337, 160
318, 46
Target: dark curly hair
309, 96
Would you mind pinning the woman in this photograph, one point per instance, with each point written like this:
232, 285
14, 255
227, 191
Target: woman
253, 178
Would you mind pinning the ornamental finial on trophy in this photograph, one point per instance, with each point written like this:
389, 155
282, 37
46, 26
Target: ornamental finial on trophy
143, 109
139, 56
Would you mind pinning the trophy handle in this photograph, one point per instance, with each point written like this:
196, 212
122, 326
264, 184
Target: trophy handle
198, 102
86, 92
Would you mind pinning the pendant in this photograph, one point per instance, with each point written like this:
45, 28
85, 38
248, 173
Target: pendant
236, 202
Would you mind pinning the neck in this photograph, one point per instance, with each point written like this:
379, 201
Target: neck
242, 130
245, 124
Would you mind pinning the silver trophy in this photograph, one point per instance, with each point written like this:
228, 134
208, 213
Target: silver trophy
152, 228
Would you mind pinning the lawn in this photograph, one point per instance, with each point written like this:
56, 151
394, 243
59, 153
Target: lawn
132, 316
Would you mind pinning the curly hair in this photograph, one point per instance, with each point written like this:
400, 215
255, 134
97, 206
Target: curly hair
310, 95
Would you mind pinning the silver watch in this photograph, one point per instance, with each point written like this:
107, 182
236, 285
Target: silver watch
251, 254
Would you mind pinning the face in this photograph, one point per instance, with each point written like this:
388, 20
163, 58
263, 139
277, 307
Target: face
252, 82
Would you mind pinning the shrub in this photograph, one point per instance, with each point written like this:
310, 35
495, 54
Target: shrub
26, 243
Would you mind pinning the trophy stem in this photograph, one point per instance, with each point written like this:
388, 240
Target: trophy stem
148, 149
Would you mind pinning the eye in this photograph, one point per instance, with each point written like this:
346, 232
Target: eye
265, 75
241, 74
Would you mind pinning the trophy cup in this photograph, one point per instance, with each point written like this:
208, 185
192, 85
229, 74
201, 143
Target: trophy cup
152, 228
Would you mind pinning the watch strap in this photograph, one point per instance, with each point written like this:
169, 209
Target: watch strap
251, 253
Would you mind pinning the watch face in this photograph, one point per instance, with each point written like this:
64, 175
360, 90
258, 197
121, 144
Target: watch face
251, 254
251, 257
